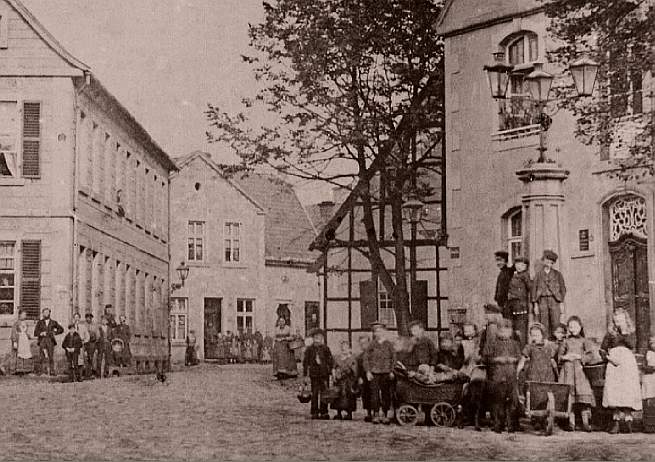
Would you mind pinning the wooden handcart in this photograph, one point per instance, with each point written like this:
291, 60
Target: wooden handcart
443, 400
549, 401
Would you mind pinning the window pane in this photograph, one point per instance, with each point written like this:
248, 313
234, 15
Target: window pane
6, 280
6, 293
198, 249
249, 306
6, 308
191, 229
239, 305
235, 230
191, 255
516, 225
228, 229
249, 323
240, 323
534, 48
181, 323
516, 52
171, 333
235, 254
515, 250
199, 228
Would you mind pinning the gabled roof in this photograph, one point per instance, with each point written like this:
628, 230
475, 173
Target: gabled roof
182, 162
460, 15
92, 86
289, 232
47, 37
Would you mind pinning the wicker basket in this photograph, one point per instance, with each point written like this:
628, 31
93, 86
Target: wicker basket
296, 344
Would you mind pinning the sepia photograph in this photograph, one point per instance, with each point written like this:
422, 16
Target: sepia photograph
307, 230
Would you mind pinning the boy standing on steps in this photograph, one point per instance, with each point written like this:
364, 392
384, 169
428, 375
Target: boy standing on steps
317, 366
548, 292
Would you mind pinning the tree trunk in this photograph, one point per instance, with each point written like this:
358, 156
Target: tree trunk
400, 294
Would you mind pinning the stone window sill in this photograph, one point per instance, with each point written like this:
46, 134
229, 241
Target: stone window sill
11, 181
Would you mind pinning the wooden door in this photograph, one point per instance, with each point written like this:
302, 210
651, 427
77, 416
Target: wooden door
212, 327
630, 284
420, 302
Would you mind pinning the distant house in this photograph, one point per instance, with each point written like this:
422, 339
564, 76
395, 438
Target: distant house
84, 208
245, 239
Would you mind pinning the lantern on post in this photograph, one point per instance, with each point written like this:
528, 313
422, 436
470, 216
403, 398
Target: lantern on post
182, 274
584, 72
414, 208
498, 76
539, 82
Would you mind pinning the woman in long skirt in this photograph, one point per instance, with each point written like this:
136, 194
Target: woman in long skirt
622, 391
21, 344
284, 360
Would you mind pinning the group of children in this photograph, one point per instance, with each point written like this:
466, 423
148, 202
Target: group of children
494, 360
246, 347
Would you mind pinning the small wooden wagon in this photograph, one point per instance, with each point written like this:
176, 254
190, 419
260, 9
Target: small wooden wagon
549, 400
443, 400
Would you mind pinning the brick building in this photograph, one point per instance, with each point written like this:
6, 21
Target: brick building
245, 239
84, 210
497, 198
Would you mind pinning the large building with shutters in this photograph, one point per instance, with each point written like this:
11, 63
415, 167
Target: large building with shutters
499, 198
84, 209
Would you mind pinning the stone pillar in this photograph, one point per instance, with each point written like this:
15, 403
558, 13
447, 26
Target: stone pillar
543, 210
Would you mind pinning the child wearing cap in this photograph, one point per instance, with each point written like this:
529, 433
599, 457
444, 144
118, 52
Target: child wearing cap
378, 362
518, 299
548, 292
501, 355
317, 365
421, 349
72, 344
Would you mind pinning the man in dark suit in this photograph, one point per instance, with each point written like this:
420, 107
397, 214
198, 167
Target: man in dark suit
45, 331
502, 282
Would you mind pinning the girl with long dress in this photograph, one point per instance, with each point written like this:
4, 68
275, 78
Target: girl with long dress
21, 344
575, 351
284, 360
622, 390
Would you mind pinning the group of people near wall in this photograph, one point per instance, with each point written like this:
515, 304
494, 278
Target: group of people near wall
494, 363
90, 347
234, 347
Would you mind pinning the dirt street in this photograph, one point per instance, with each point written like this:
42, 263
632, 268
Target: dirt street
239, 413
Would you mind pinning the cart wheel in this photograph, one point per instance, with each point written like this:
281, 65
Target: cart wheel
550, 418
442, 415
407, 415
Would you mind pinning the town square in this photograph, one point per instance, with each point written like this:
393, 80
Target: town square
327, 229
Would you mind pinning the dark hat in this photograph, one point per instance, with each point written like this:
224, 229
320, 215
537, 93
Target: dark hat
71, 326
550, 255
316, 331
416, 322
522, 260
502, 254
378, 325
88, 315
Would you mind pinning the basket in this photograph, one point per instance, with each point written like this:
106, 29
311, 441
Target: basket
296, 344
596, 374
304, 395
410, 391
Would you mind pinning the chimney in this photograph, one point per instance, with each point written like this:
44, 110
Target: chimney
326, 210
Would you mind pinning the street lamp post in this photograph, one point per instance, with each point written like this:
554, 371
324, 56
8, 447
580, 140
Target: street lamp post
583, 71
182, 274
414, 208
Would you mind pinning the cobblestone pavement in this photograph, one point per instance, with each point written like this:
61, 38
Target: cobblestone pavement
239, 413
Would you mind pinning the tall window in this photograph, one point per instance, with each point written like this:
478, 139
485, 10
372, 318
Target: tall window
179, 319
245, 314
7, 277
8, 138
196, 240
232, 235
514, 223
518, 110
386, 314
626, 80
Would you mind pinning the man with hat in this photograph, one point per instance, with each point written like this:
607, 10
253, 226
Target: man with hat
548, 292
518, 299
379, 360
89, 340
502, 281
45, 331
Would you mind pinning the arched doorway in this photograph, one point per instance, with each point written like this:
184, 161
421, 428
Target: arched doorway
628, 236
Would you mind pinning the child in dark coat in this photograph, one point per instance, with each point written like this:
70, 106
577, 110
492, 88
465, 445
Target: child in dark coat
317, 365
501, 356
379, 360
72, 344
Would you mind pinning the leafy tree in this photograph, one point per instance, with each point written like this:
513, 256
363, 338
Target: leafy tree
347, 88
620, 36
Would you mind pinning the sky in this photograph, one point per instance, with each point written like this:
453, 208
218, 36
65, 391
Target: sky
165, 60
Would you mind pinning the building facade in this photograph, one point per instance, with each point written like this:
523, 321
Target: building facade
499, 198
245, 240
84, 210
